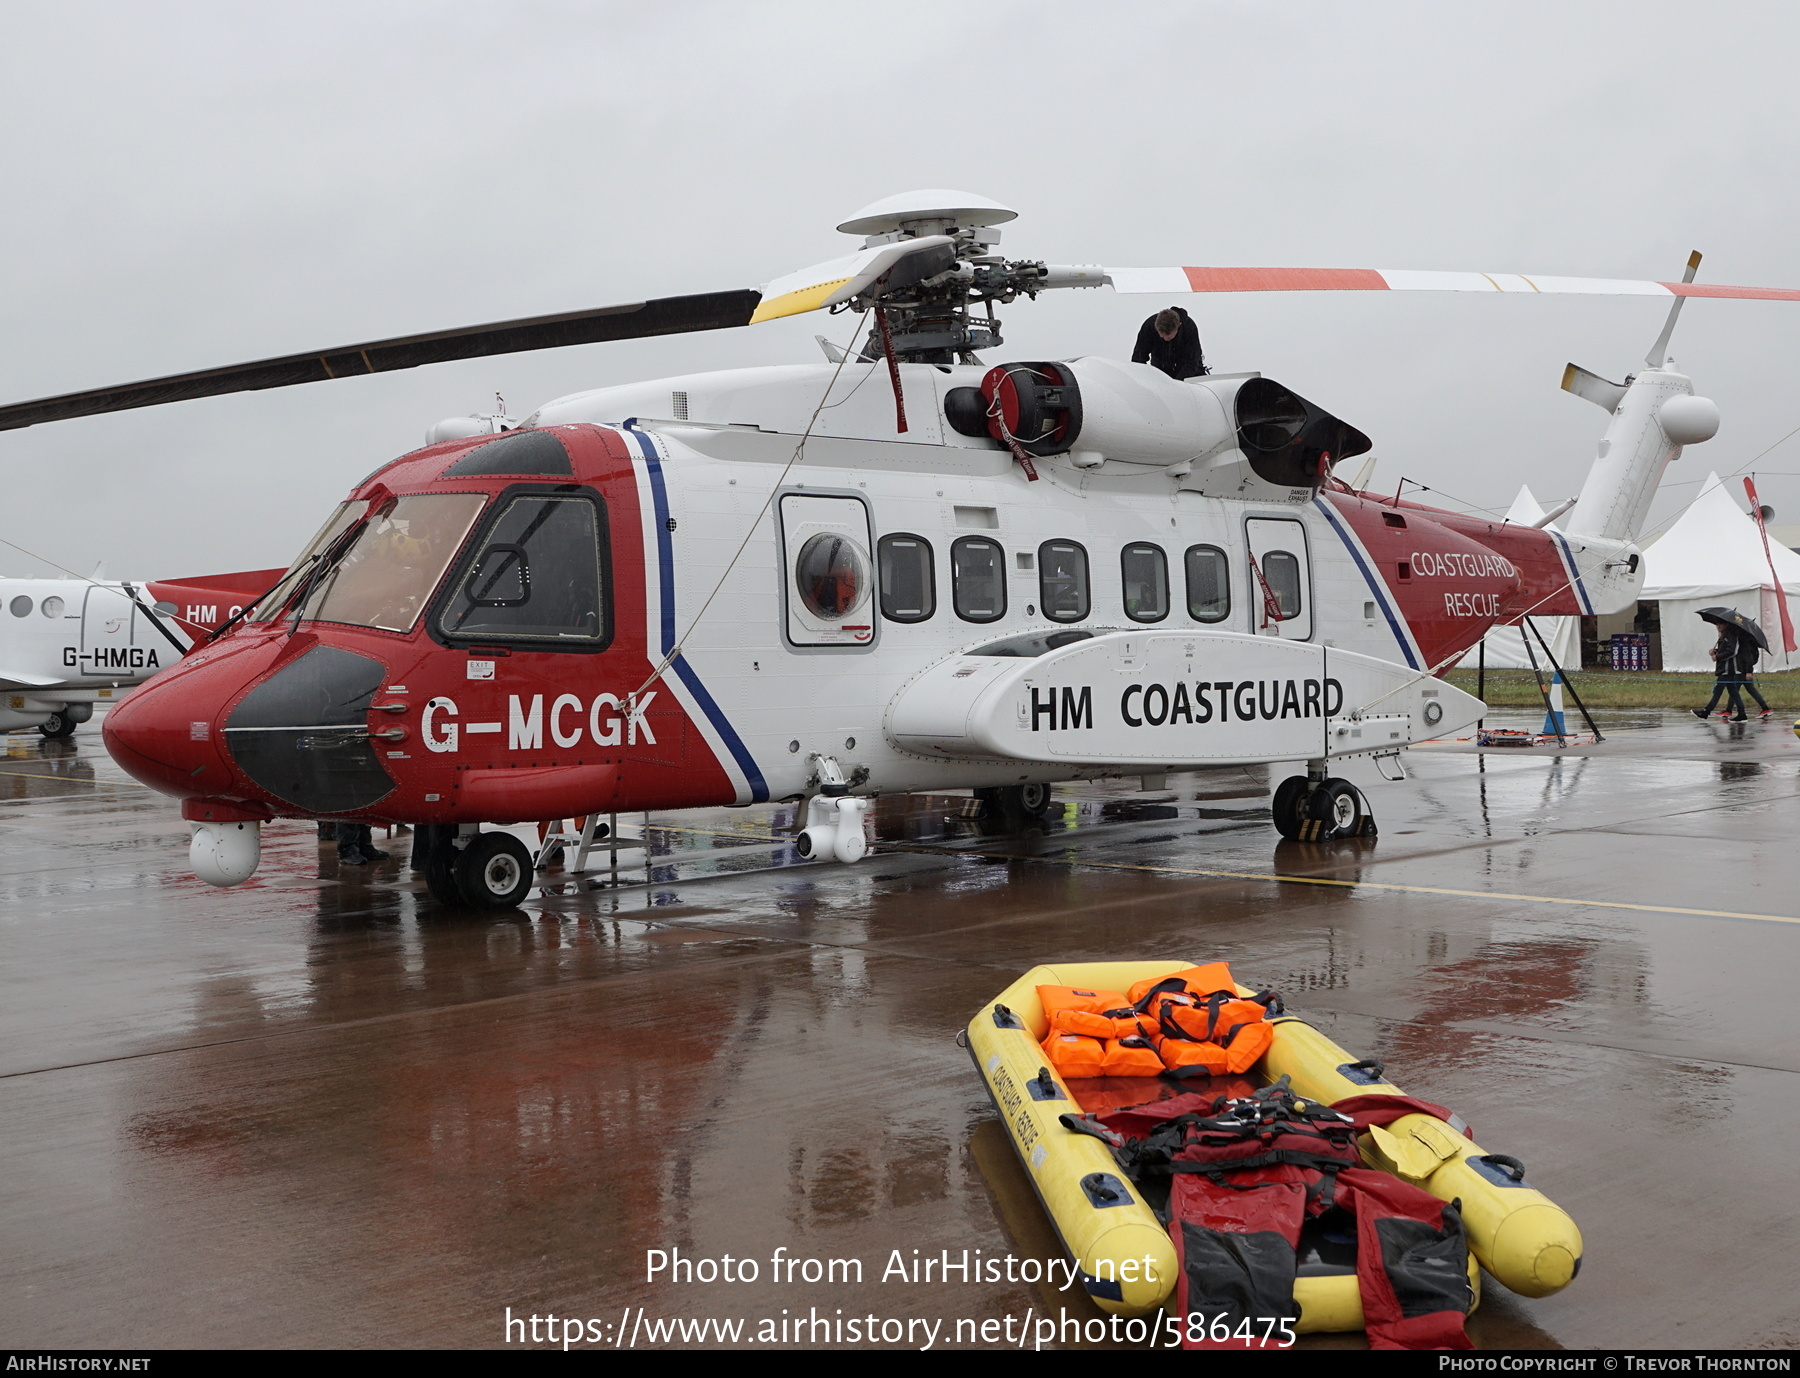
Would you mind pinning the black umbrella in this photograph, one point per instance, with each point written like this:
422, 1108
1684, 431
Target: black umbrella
1731, 617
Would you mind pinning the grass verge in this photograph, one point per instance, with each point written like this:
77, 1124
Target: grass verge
1625, 689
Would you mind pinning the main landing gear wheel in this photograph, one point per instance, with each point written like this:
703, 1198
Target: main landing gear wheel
60, 725
492, 872
1289, 806
1336, 810
1325, 812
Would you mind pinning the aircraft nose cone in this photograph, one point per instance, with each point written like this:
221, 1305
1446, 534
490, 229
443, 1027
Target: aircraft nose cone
298, 736
166, 734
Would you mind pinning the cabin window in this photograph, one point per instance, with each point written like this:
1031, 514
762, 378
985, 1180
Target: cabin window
386, 572
1063, 581
831, 575
978, 579
908, 578
1208, 584
1145, 573
538, 576
1281, 570
21, 606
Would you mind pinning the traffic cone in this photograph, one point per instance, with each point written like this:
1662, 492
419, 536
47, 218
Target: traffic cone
1553, 720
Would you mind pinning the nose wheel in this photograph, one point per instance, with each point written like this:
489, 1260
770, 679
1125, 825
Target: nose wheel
1305, 810
490, 871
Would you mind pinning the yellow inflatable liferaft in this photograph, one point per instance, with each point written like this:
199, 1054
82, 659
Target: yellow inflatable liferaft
1520, 1235
1124, 1254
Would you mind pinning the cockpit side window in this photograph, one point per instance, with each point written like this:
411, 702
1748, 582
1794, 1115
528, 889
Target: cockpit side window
539, 575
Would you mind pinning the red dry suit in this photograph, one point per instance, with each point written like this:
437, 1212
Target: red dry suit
1248, 1174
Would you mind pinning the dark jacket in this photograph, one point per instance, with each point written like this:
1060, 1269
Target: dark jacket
1180, 357
1735, 654
1748, 653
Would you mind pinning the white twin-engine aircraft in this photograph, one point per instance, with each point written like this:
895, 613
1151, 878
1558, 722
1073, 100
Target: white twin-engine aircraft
898, 570
69, 645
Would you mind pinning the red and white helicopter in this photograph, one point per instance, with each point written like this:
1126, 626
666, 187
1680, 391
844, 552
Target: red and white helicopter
898, 570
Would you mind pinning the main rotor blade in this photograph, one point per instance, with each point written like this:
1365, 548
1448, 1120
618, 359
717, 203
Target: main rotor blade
1166, 280
902, 263
633, 320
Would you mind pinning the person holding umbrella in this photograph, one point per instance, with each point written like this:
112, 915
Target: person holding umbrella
1734, 657
1747, 654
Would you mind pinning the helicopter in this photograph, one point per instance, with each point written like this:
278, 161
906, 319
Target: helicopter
70, 645
901, 569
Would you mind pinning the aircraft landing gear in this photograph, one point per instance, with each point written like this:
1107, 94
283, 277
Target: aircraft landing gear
1308, 809
493, 871
1017, 804
60, 725
490, 871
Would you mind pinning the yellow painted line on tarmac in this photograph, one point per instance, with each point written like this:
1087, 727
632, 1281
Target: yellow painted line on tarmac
1383, 885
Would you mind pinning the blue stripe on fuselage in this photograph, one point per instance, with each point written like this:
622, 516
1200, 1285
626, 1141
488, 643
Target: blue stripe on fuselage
1587, 604
1368, 574
665, 568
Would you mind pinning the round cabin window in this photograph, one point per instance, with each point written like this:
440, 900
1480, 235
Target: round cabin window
21, 606
51, 606
832, 576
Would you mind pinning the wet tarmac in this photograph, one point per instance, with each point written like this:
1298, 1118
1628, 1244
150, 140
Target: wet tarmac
319, 1111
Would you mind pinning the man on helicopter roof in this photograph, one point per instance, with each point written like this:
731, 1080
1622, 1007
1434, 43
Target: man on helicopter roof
1170, 340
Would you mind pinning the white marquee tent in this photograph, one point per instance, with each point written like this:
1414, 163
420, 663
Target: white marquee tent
1503, 648
1713, 555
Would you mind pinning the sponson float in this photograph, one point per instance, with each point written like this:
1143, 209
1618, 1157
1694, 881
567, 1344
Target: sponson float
1277, 1074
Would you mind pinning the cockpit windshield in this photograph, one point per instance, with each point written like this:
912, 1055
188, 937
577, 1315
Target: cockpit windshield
271, 603
387, 575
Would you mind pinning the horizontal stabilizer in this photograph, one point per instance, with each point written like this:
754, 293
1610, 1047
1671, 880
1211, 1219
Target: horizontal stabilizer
1592, 387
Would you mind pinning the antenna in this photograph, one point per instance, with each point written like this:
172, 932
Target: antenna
1659, 352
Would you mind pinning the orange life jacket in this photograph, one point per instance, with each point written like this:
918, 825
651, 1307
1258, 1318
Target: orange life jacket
1066, 1007
1133, 1056
1199, 981
1239, 1027
1081, 1022
1076, 1055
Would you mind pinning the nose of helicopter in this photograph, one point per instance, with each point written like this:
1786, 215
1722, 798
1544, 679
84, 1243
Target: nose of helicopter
166, 735
283, 722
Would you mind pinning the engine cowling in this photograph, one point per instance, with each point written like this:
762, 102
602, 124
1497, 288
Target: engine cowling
1252, 430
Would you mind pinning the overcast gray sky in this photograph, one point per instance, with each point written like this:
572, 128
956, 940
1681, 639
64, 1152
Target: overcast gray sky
194, 184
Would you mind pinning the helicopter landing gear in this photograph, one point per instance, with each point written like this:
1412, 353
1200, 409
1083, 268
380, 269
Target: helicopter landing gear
489, 871
59, 725
493, 871
1018, 805
1309, 808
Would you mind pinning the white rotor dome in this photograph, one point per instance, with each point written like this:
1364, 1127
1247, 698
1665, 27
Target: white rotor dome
963, 208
